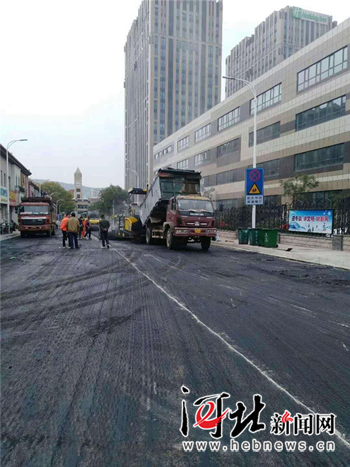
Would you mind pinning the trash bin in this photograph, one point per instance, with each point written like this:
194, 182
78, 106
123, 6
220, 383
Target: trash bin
243, 236
254, 236
270, 238
261, 235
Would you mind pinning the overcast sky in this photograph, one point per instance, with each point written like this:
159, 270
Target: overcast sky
62, 71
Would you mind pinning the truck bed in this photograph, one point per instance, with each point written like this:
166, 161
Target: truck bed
168, 183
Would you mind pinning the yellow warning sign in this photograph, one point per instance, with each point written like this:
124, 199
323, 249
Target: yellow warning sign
254, 190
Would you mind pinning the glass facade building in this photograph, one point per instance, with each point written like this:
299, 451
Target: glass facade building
172, 75
282, 34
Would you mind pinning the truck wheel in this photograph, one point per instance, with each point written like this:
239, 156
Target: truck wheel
48, 234
205, 242
149, 239
53, 232
170, 240
23, 234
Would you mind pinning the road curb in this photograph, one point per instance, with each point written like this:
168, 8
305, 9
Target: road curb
4, 237
271, 253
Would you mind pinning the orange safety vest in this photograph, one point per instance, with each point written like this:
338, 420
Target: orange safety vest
63, 225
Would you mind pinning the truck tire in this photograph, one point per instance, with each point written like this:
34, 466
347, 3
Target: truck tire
149, 239
205, 243
23, 234
170, 240
48, 234
53, 232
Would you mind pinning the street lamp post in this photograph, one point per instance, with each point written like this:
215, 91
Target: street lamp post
252, 88
138, 177
137, 182
7, 175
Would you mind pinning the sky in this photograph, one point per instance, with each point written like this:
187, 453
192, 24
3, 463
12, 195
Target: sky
62, 79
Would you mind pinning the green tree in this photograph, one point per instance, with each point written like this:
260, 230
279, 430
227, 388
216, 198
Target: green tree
299, 184
58, 193
113, 195
209, 193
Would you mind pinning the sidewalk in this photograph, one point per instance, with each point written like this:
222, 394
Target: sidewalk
335, 259
8, 236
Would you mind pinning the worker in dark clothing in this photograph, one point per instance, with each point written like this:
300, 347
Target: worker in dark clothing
88, 228
80, 226
104, 226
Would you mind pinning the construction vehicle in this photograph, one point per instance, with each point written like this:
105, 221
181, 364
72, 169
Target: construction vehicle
174, 210
123, 225
37, 215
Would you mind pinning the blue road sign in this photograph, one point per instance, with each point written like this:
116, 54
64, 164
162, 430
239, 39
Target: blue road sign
254, 186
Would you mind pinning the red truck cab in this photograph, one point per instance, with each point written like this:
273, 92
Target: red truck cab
188, 219
37, 215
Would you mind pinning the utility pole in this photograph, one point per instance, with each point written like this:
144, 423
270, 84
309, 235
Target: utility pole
253, 90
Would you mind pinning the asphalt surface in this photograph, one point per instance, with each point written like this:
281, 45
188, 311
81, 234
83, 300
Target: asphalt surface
96, 345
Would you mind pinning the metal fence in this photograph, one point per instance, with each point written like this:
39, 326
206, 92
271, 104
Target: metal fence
276, 216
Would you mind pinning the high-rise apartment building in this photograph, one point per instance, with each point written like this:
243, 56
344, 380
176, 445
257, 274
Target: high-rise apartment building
282, 34
172, 75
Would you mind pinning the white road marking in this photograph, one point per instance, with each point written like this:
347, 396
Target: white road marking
339, 324
345, 347
230, 287
157, 259
263, 373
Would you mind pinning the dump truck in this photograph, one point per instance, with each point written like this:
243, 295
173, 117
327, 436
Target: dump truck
37, 215
174, 210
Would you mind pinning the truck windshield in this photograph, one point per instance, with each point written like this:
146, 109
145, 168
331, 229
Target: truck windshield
195, 207
34, 209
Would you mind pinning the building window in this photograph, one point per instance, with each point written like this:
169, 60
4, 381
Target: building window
229, 119
265, 134
229, 147
164, 152
200, 158
183, 164
229, 176
321, 113
183, 143
321, 199
329, 66
266, 99
226, 203
205, 181
203, 133
270, 167
319, 158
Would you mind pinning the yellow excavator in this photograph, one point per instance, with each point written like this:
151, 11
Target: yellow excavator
125, 223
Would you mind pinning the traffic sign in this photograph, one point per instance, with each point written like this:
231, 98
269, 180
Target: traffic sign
254, 186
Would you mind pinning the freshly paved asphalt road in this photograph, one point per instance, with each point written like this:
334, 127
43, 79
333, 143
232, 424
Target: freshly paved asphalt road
96, 345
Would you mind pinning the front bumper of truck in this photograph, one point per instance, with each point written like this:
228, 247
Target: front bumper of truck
34, 228
195, 232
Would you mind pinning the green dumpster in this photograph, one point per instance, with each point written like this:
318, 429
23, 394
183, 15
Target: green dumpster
254, 236
261, 236
243, 236
270, 238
